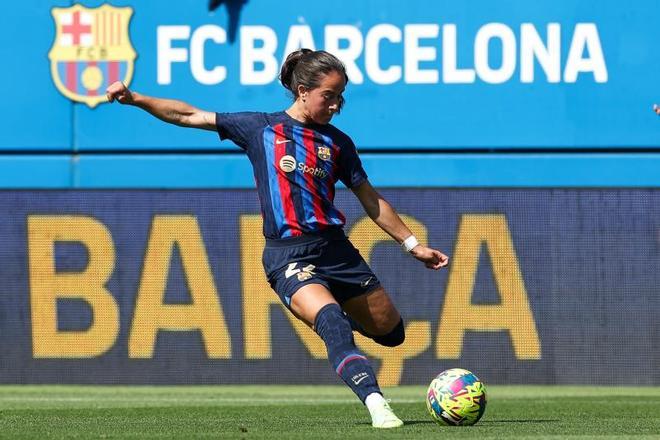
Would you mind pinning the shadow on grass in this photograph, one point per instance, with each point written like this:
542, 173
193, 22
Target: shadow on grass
419, 422
483, 422
497, 422
410, 422
486, 422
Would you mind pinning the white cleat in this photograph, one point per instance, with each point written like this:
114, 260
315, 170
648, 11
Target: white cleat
382, 415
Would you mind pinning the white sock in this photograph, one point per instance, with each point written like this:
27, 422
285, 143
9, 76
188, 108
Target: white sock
374, 400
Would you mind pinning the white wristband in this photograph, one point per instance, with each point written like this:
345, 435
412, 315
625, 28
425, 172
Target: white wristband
409, 243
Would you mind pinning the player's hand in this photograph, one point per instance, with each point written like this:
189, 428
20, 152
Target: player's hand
118, 91
430, 257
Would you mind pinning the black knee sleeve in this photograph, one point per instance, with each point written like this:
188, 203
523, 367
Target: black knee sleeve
393, 338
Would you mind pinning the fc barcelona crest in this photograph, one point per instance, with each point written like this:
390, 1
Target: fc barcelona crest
92, 50
324, 153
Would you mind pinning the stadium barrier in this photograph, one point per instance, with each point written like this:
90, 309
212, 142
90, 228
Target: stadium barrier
551, 286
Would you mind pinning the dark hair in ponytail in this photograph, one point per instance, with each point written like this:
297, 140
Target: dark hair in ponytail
306, 67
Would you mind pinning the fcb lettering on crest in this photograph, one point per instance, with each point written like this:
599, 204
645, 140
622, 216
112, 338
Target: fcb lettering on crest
324, 153
91, 50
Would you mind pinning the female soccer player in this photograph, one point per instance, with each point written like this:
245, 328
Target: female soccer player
297, 158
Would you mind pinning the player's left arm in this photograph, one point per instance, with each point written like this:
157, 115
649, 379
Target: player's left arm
384, 215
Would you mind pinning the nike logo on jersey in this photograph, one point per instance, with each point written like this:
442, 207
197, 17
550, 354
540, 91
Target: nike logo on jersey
282, 141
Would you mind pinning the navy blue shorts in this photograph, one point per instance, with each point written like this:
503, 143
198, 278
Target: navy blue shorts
328, 259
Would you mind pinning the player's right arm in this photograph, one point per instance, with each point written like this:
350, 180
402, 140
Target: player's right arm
168, 110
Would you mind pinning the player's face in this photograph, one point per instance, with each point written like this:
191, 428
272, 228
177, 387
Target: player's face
323, 102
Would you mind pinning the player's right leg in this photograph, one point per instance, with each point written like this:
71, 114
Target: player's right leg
294, 268
374, 315
356, 287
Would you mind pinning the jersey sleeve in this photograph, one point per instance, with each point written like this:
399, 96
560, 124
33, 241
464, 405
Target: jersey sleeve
351, 172
239, 127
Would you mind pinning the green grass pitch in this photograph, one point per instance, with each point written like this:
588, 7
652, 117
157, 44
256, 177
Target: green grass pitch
310, 412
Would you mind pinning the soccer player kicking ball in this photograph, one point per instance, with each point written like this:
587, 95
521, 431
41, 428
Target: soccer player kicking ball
297, 158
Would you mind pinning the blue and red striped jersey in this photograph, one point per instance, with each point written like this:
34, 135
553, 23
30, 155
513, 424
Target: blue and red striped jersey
295, 167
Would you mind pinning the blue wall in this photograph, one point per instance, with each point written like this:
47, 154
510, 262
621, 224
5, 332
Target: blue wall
606, 103
558, 142
384, 170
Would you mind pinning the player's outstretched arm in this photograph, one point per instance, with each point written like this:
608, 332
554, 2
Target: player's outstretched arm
384, 215
168, 110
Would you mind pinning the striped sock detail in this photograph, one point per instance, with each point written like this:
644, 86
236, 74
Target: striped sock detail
346, 360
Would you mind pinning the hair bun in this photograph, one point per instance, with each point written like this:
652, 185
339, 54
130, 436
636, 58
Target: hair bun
292, 60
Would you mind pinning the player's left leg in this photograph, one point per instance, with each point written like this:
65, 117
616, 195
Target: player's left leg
354, 285
374, 315
313, 303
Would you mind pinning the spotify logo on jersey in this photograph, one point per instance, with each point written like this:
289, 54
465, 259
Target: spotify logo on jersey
288, 163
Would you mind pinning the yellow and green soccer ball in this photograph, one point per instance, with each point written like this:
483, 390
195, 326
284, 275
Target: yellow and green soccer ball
456, 397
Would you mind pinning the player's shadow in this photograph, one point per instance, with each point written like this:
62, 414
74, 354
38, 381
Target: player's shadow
410, 422
481, 422
497, 422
